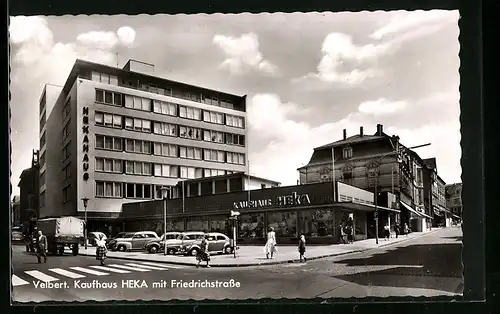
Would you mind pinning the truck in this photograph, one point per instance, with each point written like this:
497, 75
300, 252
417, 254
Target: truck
62, 232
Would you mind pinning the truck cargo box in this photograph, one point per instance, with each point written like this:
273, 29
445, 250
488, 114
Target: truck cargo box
61, 227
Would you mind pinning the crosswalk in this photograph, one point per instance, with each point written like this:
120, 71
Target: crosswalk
78, 272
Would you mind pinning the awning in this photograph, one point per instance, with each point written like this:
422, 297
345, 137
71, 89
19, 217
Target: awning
365, 207
408, 207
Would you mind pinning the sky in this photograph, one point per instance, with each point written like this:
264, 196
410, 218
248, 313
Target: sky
308, 76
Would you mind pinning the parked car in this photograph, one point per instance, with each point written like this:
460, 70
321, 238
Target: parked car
17, 234
111, 242
135, 241
156, 246
183, 240
217, 243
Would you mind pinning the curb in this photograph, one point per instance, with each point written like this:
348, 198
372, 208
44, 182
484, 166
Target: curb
289, 261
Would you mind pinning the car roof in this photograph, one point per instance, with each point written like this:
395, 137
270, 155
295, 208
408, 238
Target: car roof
193, 232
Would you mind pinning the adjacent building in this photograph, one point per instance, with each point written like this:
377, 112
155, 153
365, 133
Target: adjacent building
434, 194
29, 186
454, 200
371, 162
119, 135
16, 211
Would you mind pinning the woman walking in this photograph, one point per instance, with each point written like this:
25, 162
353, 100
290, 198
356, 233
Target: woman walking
302, 248
387, 232
203, 254
270, 247
101, 249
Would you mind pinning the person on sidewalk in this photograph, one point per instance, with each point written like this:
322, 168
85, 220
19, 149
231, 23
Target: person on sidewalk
348, 231
203, 254
387, 232
101, 250
342, 235
406, 230
396, 229
270, 247
41, 247
302, 248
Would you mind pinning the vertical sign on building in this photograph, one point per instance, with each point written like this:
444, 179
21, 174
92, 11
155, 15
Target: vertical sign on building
85, 129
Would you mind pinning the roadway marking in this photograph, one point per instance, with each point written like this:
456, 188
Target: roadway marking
162, 265
66, 273
113, 270
16, 281
129, 268
146, 266
89, 271
41, 276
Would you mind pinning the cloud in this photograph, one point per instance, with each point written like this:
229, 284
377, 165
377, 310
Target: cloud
126, 35
243, 55
381, 107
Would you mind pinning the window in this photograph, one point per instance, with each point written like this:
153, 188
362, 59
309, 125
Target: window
42, 178
226, 104
138, 103
163, 149
66, 109
213, 117
42, 199
66, 171
213, 136
108, 98
251, 226
191, 133
43, 101
109, 120
347, 153
104, 78
65, 131
137, 146
138, 125
190, 152
108, 165
213, 172
42, 141
108, 189
236, 158
66, 194
43, 121
108, 142
190, 113
166, 171
190, 173
66, 151
235, 139
317, 223
138, 168
213, 155
164, 129
284, 223
234, 121
134, 190
211, 101
42, 159
164, 108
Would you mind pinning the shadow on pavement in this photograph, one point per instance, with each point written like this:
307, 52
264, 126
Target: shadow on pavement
423, 260
457, 238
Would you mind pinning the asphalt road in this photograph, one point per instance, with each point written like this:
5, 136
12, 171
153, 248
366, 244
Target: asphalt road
425, 266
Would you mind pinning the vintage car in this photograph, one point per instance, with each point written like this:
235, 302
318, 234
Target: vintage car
133, 241
217, 243
183, 240
156, 246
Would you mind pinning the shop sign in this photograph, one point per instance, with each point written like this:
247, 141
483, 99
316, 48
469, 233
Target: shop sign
281, 201
85, 148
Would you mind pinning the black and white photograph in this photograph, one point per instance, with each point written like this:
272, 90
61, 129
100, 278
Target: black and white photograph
235, 156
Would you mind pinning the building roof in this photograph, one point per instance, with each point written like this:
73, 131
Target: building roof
430, 163
352, 140
229, 176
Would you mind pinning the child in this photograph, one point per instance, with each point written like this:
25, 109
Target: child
302, 247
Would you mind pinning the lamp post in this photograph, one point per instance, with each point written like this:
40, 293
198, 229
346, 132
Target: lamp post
397, 152
85, 203
234, 218
164, 190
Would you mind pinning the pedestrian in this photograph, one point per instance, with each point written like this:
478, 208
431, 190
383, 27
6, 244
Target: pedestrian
396, 229
101, 249
270, 247
387, 232
342, 234
406, 230
302, 248
348, 231
41, 246
203, 254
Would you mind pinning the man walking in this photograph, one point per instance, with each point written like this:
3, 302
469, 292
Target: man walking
41, 245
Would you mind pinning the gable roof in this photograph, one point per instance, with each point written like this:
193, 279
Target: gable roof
430, 163
353, 140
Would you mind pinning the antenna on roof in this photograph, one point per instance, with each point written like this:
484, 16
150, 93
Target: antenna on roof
117, 59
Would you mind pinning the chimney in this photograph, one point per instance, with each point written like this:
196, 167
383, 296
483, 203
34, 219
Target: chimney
345, 134
360, 131
380, 129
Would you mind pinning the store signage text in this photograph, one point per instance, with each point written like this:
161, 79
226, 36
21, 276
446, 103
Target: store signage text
85, 129
288, 200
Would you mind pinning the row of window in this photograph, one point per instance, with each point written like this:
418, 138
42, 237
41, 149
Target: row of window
168, 150
166, 108
197, 97
158, 170
167, 129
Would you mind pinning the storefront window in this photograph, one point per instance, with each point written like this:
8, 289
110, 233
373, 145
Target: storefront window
155, 225
251, 226
220, 224
197, 224
175, 224
359, 224
317, 223
284, 223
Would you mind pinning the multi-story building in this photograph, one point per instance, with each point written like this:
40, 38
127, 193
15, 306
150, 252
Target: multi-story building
454, 199
16, 211
368, 161
434, 193
29, 187
118, 135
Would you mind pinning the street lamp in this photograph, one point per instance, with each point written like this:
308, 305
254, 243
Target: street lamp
164, 190
85, 203
376, 183
234, 218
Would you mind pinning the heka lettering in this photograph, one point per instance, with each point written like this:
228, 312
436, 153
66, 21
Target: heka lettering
85, 148
134, 284
288, 200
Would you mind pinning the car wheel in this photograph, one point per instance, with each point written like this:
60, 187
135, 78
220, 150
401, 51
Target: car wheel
171, 251
193, 252
122, 248
153, 249
228, 250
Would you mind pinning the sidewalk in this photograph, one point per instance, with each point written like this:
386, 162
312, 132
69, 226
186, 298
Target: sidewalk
254, 255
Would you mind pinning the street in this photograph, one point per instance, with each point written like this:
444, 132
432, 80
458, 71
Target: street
429, 265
